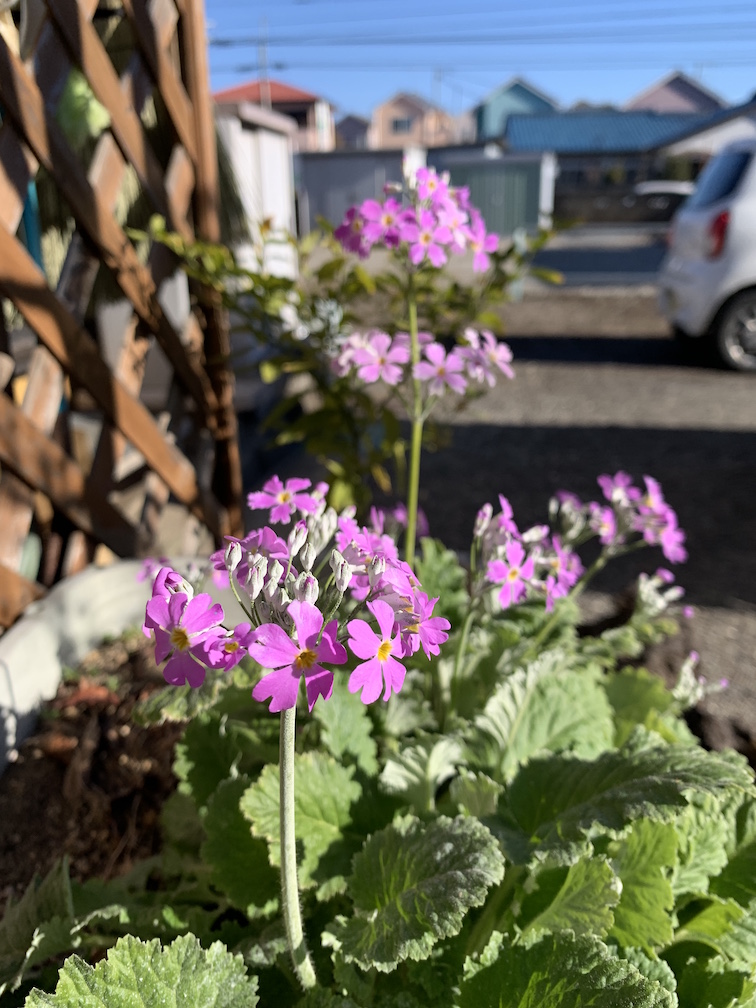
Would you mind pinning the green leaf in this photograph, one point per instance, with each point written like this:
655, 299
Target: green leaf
561, 972
708, 920
581, 902
703, 831
475, 794
542, 709
635, 694
239, 861
324, 792
418, 771
412, 884
139, 974
710, 984
180, 703
346, 729
45, 900
554, 806
204, 757
738, 878
643, 861
443, 577
651, 967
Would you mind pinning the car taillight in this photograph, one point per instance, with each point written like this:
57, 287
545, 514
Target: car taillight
718, 234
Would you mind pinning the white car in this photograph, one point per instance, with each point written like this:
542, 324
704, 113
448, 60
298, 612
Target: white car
707, 282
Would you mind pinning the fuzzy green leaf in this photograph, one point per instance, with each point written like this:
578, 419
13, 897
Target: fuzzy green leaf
738, 878
475, 794
554, 806
704, 830
581, 904
708, 983
324, 793
204, 757
561, 972
708, 920
418, 771
346, 729
636, 697
239, 861
180, 703
412, 884
139, 974
542, 709
643, 861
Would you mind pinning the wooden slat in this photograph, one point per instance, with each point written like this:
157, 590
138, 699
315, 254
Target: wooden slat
23, 102
22, 281
43, 465
17, 166
90, 54
16, 595
217, 343
172, 90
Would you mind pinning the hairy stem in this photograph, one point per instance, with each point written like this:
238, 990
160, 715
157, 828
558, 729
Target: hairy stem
417, 429
292, 916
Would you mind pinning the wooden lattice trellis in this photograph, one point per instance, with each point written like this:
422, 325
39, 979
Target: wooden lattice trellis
189, 449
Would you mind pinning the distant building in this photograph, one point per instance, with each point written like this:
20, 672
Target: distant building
516, 97
352, 133
313, 115
407, 120
676, 93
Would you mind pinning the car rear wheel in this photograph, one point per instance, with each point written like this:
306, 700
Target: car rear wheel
736, 333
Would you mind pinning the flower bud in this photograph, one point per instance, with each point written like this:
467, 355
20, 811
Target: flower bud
483, 520
275, 572
232, 556
306, 588
297, 538
307, 556
376, 570
342, 572
258, 566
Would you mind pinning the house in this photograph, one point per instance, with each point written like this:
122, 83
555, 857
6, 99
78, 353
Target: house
407, 120
352, 133
676, 93
313, 115
685, 154
516, 97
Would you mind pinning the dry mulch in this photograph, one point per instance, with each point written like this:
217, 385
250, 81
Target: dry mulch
90, 782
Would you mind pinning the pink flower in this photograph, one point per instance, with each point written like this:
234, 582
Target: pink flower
514, 575
351, 233
263, 541
618, 489
424, 629
380, 665
485, 355
481, 243
186, 630
425, 238
441, 370
292, 659
430, 186
378, 360
382, 221
283, 500
230, 650
399, 514
604, 523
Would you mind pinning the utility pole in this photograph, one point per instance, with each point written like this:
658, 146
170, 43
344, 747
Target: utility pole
262, 59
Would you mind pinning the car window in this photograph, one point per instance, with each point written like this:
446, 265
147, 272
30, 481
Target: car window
720, 178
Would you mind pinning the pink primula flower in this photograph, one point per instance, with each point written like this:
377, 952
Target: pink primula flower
230, 650
283, 500
382, 221
381, 666
292, 659
430, 186
426, 238
442, 370
263, 541
424, 629
187, 631
378, 360
514, 575
481, 243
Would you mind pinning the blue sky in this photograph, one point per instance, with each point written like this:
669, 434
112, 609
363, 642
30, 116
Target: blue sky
356, 53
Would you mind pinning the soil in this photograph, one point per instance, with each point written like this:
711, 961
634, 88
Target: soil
90, 782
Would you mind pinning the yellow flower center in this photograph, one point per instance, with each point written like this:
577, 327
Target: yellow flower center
414, 628
514, 573
180, 638
384, 650
284, 497
304, 660
231, 646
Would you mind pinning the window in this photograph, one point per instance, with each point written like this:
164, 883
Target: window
720, 178
401, 125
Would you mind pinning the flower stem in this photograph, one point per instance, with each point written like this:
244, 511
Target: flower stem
292, 916
460, 655
417, 429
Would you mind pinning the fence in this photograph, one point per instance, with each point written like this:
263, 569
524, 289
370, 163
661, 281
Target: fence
83, 460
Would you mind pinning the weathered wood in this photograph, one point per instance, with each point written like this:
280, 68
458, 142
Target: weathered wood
172, 90
88, 51
44, 465
24, 104
22, 281
16, 168
16, 595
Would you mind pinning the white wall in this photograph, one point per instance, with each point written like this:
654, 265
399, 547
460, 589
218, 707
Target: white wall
710, 141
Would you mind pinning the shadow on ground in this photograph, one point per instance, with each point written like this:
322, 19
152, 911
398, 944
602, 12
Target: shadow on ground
708, 476
601, 350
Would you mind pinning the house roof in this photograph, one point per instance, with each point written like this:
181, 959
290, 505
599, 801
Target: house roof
595, 132
716, 119
280, 94
520, 82
421, 104
684, 88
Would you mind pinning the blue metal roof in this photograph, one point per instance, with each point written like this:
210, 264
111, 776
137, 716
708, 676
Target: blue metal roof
597, 132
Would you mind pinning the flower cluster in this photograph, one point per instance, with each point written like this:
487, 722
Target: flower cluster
628, 516
375, 356
328, 584
523, 564
432, 220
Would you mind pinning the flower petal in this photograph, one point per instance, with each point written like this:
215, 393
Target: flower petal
281, 687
